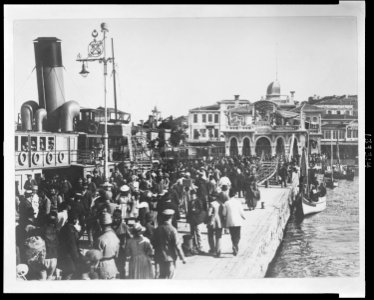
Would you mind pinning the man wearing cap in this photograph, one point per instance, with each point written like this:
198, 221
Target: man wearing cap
108, 243
167, 246
166, 203
96, 178
91, 185
25, 205
29, 183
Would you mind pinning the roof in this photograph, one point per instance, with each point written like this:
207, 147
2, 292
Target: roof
110, 110
241, 101
241, 109
265, 104
334, 126
307, 107
210, 107
338, 100
287, 114
273, 88
338, 117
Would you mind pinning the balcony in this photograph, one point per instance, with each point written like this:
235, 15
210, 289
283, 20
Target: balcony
203, 140
239, 127
286, 127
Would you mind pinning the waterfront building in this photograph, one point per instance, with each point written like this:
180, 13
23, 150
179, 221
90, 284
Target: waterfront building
339, 125
267, 126
206, 125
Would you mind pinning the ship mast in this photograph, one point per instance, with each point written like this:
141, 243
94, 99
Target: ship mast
114, 84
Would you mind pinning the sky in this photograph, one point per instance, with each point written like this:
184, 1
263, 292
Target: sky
178, 64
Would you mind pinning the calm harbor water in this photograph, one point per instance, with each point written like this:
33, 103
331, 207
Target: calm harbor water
325, 244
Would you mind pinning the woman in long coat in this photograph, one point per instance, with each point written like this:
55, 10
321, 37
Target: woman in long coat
252, 194
139, 249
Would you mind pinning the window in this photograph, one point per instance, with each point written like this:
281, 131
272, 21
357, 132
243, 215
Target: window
34, 143
355, 133
341, 134
204, 118
196, 134
216, 118
315, 119
195, 118
335, 134
349, 133
329, 112
338, 112
203, 133
210, 118
16, 143
216, 132
42, 143
347, 112
327, 134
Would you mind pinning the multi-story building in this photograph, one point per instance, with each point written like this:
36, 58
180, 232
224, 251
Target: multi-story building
339, 125
205, 125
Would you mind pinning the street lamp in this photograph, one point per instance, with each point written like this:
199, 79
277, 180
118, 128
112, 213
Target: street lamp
97, 52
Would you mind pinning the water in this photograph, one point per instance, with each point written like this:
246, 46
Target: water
325, 244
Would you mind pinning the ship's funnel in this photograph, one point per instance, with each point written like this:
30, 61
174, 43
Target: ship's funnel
49, 70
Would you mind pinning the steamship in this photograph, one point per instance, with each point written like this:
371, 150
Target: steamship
58, 137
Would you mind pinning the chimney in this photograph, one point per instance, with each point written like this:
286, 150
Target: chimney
292, 95
236, 100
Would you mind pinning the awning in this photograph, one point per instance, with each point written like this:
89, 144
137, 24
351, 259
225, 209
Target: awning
286, 114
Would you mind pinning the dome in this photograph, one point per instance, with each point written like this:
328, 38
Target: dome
273, 89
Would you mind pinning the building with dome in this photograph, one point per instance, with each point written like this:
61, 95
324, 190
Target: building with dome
274, 125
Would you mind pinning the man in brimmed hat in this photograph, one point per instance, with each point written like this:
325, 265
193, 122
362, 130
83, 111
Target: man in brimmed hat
108, 243
167, 246
91, 185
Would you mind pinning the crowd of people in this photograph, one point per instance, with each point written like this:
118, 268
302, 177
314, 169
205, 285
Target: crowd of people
130, 221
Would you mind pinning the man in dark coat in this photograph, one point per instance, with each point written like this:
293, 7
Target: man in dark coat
283, 173
70, 258
29, 183
91, 185
166, 203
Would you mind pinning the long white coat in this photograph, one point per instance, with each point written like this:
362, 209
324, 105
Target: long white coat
234, 212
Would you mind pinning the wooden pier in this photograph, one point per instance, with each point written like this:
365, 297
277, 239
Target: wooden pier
261, 234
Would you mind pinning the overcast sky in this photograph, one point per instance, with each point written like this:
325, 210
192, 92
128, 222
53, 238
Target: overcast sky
181, 63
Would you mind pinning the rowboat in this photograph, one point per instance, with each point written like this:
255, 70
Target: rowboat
311, 207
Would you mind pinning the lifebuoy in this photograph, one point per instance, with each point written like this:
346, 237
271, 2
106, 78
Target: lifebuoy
35, 158
22, 158
49, 157
92, 128
61, 157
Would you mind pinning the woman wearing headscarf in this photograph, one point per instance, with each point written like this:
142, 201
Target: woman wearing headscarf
139, 250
